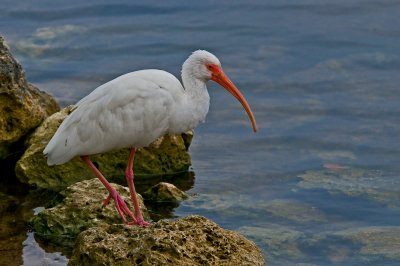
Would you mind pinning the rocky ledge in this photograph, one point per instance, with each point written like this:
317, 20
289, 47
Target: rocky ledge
102, 239
81, 209
193, 240
22, 106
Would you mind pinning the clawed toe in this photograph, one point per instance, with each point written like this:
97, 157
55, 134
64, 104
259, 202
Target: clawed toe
123, 210
142, 223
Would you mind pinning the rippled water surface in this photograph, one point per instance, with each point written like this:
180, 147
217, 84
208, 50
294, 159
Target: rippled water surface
319, 182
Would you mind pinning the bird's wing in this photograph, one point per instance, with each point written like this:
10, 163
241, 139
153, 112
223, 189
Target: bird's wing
131, 110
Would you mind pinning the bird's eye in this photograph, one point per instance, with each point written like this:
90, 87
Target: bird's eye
209, 67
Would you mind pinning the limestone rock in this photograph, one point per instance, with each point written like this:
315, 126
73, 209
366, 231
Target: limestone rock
166, 155
165, 192
193, 240
22, 106
81, 209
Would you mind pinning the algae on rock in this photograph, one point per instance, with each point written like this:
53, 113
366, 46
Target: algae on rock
80, 210
375, 240
280, 241
355, 182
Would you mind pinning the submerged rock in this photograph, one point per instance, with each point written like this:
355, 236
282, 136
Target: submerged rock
165, 192
193, 240
22, 106
280, 241
355, 182
166, 155
376, 241
80, 210
294, 210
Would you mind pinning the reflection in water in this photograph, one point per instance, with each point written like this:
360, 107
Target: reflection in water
34, 255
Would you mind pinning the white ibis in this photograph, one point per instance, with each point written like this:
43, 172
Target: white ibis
132, 111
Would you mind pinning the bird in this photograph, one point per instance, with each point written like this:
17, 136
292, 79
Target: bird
133, 110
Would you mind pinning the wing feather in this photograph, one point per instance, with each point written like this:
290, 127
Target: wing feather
131, 110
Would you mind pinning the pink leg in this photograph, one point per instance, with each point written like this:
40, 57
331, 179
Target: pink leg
120, 205
129, 178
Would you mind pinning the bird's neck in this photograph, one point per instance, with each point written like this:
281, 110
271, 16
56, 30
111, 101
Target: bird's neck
195, 88
195, 102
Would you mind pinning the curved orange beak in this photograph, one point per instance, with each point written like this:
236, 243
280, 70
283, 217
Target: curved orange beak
219, 76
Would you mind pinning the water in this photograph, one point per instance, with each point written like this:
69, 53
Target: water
318, 183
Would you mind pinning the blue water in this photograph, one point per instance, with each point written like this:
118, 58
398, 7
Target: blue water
321, 77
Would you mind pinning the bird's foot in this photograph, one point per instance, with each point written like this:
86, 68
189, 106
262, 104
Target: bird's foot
121, 207
140, 222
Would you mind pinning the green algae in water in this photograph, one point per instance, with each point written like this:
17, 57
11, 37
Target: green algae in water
355, 182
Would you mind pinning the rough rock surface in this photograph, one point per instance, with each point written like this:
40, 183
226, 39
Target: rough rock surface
22, 106
165, 192
81, 209
193, 240
166, 155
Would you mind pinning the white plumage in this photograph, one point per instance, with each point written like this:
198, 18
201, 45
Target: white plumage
136, 108
131, 110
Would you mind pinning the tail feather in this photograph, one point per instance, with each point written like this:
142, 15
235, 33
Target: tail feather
57, 154
61, 148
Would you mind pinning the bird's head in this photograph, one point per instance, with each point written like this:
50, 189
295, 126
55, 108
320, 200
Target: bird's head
201, 64
205, 66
